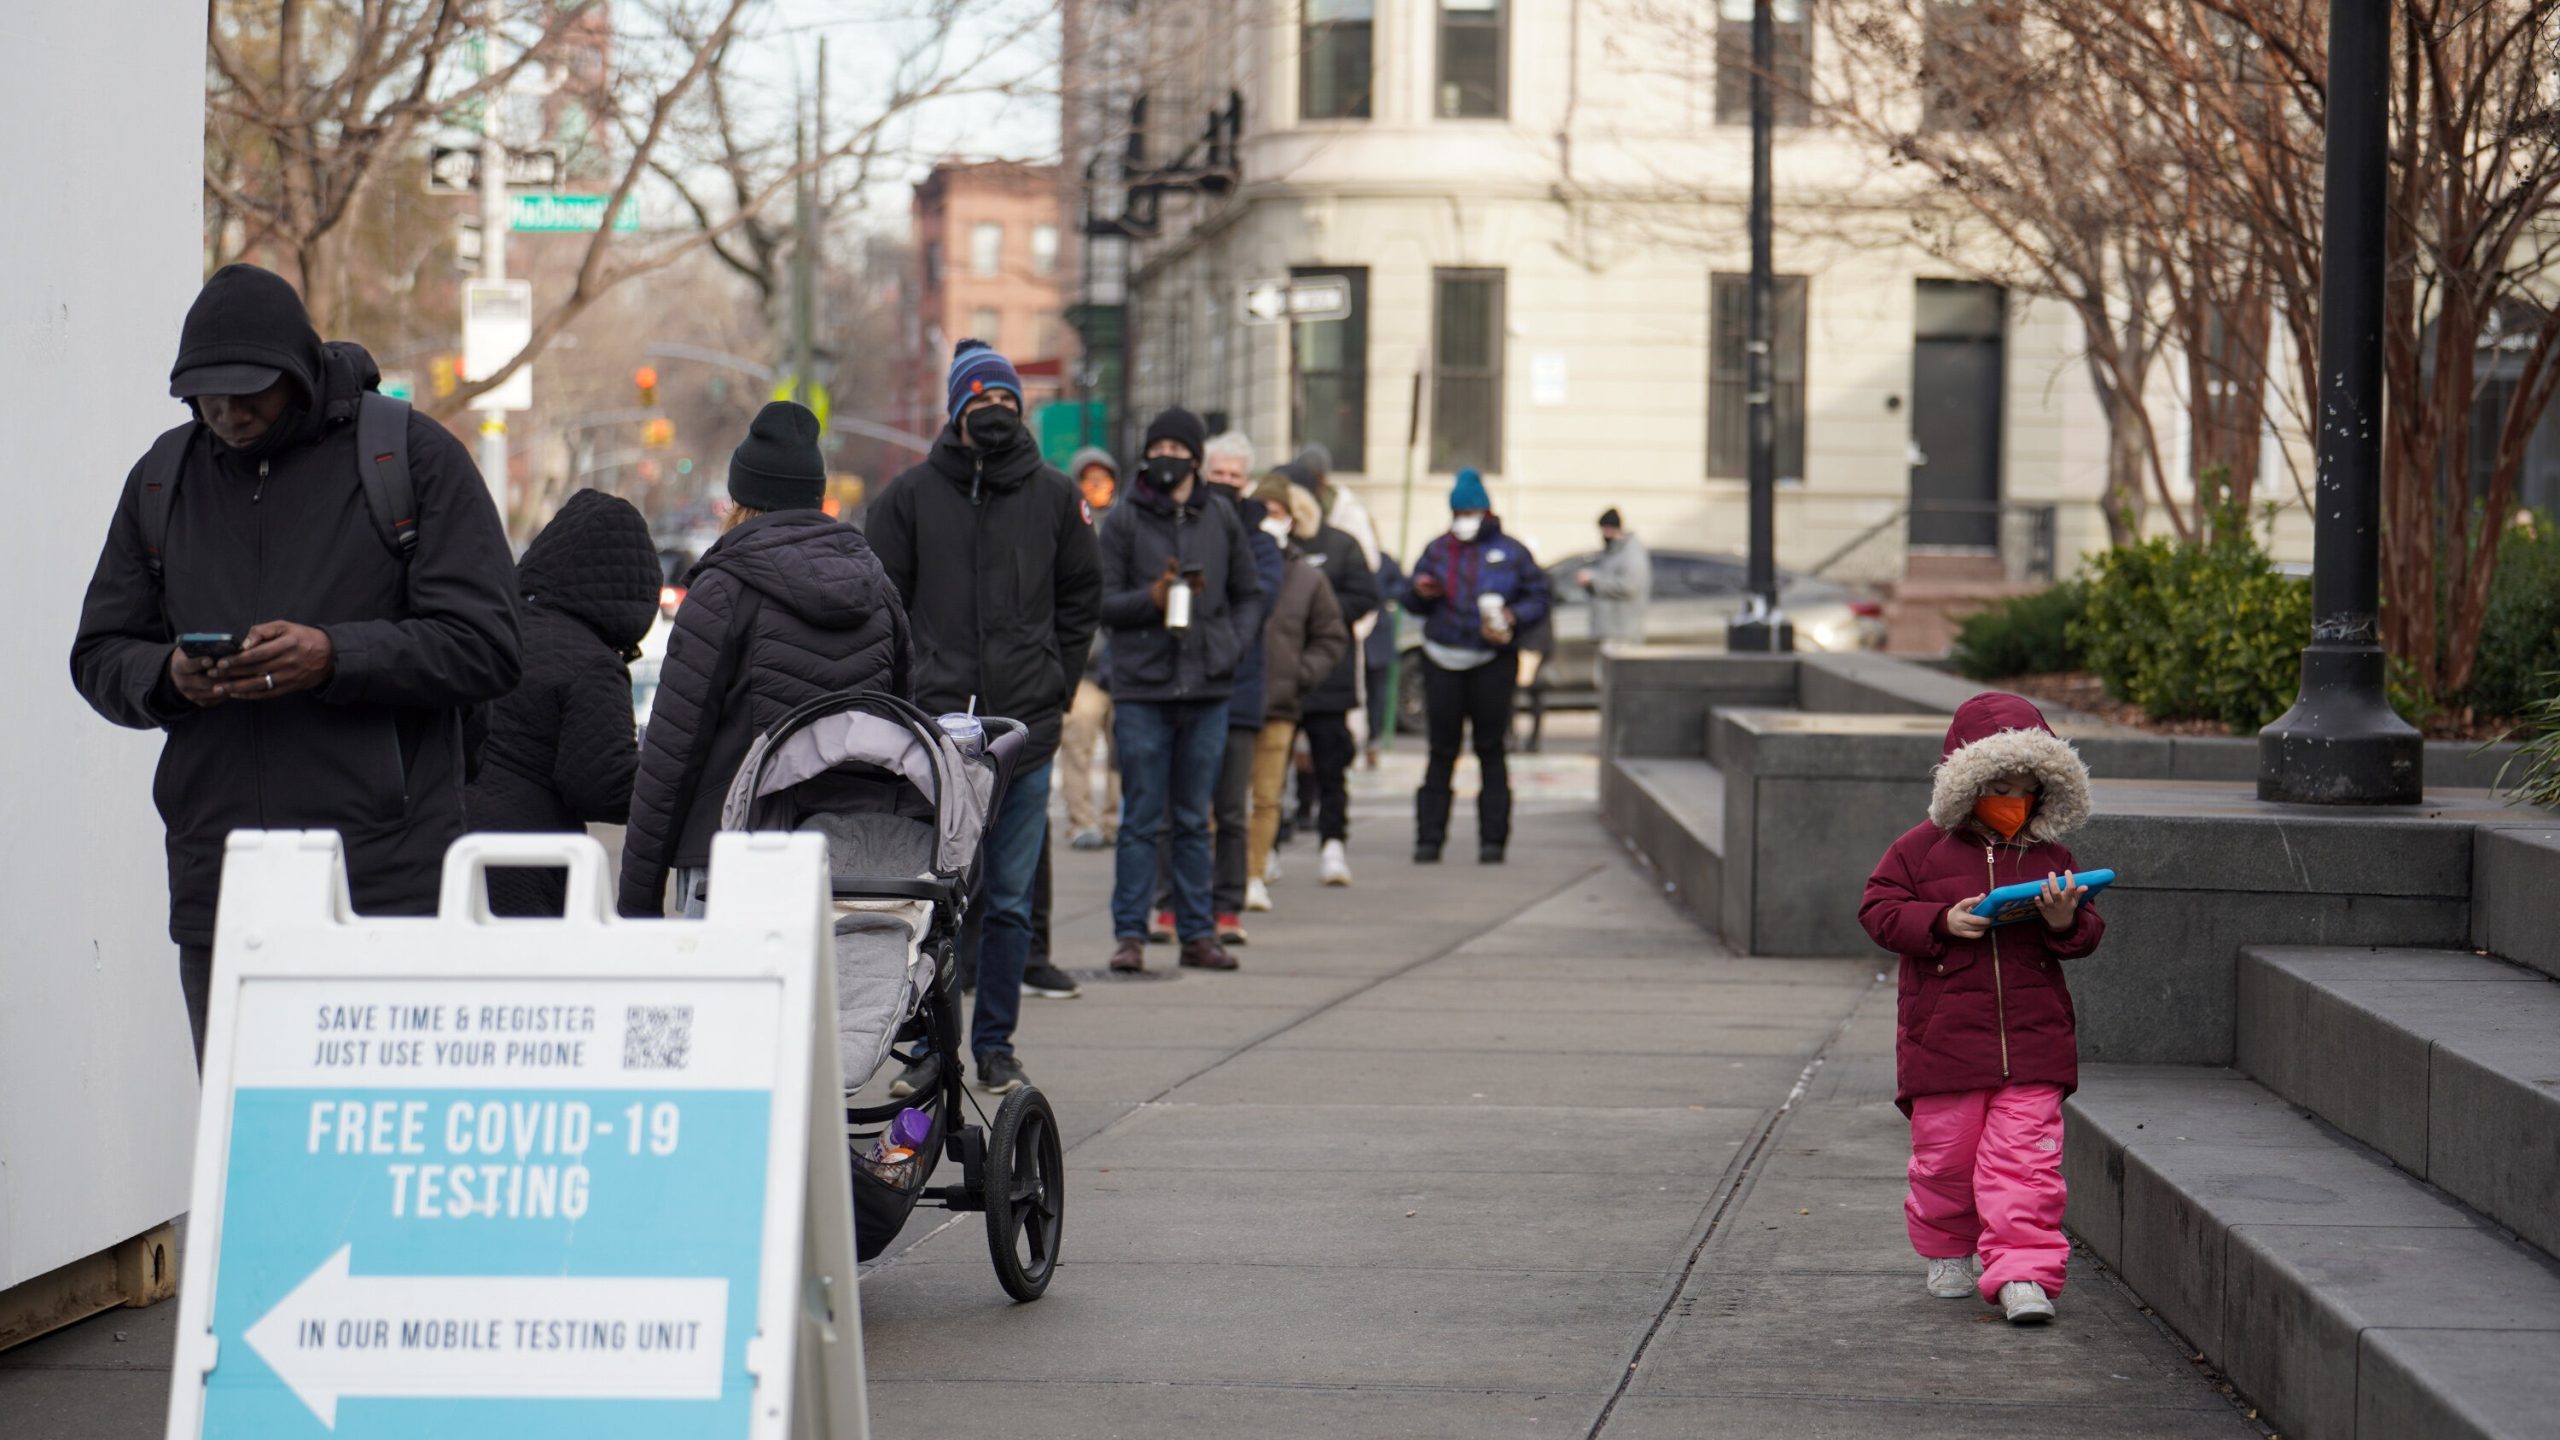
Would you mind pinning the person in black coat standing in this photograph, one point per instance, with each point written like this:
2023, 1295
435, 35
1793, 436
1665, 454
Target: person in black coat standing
994, 555
561, 751
800, 608
344, 708
1327, 721
1185, 607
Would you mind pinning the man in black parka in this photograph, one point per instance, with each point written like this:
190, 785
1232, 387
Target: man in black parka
344, 709
994, 554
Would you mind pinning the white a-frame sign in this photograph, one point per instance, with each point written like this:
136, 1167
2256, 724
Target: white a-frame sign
520, 1178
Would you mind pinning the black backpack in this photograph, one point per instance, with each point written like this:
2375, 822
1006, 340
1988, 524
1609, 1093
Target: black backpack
382, 468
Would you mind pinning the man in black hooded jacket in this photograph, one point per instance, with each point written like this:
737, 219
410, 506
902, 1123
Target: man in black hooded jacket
343, 709
994, 554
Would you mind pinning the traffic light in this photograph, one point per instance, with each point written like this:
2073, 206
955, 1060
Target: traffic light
659, 433
685, 466
646, 377
442, 370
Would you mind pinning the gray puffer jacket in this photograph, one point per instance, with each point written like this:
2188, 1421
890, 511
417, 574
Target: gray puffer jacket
825, 619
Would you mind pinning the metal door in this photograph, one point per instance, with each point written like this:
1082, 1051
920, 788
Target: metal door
1956, 356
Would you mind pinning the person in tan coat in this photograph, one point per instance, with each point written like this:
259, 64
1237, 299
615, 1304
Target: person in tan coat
1302, 642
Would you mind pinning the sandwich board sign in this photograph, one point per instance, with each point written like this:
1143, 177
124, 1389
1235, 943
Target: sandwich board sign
559, 1178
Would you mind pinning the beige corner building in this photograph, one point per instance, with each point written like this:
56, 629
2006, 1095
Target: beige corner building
1537, 210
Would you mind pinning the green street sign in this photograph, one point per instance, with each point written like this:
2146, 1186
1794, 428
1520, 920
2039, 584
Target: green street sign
544, 213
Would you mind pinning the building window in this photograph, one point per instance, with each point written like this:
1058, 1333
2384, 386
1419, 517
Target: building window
1329, 377
1789, 100
1046, 335
1728, 413
1473, 57
986, 248
1466, 369
1044, 250
985, 324
1333, 60
933, 264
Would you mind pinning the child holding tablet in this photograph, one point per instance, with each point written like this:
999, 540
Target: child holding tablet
1987, 1046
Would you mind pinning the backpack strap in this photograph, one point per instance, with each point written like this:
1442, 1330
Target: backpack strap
161, 466
382, 464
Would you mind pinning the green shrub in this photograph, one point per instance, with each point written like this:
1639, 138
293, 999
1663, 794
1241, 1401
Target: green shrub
2196, 632
2519, 660
2027, 635
2538, 750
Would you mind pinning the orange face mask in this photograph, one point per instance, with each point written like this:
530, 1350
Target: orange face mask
2006, 814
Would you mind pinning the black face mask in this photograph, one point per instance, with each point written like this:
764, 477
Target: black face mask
1167, 472
994, 429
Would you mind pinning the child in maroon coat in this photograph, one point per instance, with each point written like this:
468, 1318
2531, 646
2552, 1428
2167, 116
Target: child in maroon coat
1987, 1048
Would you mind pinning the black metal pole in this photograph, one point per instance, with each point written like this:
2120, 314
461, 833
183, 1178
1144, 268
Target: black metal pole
2341, 743
1760, 626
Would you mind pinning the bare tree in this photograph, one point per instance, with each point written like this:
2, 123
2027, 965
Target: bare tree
316, 100
2240, 89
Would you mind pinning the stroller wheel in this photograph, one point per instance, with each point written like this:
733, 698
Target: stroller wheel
1026, 1193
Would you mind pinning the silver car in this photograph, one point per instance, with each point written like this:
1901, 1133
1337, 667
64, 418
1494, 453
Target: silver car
1695, 595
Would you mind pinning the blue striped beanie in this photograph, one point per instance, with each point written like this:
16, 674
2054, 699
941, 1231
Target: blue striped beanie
975, 369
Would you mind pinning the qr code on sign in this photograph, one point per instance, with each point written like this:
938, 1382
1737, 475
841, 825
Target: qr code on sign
657, 1037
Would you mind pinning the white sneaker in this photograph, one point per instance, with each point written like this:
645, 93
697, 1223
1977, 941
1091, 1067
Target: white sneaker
1335, 864
1953, 1278
1257, 896
2024, 1302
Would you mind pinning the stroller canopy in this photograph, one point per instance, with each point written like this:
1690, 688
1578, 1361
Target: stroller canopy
892, 792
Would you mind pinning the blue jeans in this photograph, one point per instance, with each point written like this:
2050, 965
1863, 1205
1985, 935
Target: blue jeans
1004, 898
1170, 753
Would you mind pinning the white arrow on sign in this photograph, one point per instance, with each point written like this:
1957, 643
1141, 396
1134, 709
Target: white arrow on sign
1266, 302
339, 1336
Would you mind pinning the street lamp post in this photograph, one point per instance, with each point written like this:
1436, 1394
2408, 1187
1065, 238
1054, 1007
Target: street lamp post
1761, 627
2341, 743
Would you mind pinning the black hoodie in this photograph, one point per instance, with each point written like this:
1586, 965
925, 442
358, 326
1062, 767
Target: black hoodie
998, 569
826, 621
561, 752
281, 531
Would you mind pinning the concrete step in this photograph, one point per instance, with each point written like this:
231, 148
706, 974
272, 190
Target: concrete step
1672, 812
2447, 1062
2515, 873
2335, 1289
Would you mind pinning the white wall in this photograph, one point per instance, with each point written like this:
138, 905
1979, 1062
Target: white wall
101, 252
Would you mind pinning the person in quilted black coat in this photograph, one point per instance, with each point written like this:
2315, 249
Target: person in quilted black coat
821, 617
561, 751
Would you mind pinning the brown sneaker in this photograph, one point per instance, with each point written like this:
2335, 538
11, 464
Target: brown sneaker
1205, 953
1131, 957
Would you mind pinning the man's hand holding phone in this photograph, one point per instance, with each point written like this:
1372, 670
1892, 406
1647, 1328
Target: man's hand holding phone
276, 658
1427, 585
193, 675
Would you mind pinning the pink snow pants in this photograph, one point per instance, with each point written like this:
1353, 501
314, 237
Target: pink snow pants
1986, 1179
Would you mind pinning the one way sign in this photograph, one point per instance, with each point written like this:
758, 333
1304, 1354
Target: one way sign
455, 170
1306, 298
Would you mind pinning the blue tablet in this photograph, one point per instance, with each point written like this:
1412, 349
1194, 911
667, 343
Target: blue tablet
2012, 903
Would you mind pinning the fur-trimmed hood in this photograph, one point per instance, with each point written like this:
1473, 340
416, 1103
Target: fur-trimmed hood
1995, 734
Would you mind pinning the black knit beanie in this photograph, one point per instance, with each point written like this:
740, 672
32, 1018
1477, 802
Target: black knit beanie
1183, 428
778, 467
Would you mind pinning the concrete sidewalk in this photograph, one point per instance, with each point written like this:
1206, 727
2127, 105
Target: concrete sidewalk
1461, 1152
1477, 1152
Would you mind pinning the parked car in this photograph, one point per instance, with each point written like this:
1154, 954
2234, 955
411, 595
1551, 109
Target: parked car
1695, 594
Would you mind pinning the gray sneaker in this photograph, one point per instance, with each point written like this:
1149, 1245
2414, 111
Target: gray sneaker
1000, 1074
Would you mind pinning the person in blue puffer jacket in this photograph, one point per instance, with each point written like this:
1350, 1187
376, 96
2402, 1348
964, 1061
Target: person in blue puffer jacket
1476, 590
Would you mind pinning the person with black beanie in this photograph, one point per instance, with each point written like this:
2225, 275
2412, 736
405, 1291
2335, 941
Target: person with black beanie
1184, 606
356, 644
806, 606
990, 548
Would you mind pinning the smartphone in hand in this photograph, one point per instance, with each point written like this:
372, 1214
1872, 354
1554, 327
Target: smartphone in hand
209, 644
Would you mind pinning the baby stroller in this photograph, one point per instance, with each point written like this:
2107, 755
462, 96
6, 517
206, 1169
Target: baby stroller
903, 808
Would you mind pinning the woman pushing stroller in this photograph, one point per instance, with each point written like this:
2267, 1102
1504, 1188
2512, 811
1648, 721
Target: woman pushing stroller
790, 605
